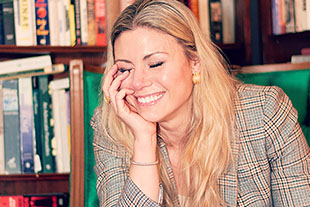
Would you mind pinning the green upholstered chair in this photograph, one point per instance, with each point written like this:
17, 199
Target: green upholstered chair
294, 79
84, 90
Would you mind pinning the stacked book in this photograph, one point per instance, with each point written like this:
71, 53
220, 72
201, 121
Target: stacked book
52, 22
27, 118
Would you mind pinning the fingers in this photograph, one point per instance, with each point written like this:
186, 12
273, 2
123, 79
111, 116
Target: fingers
108, 80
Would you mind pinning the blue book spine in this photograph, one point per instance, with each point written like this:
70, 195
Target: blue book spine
11, 126
26, 124
42, 23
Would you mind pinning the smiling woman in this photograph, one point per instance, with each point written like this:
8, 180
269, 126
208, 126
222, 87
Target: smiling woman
179, 130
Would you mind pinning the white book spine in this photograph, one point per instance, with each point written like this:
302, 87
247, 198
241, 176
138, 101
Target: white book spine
53, 22
58, 84
26, 124
25, 64
204, 20
60, 131
61, 22
33, 22
84, 23
67, 23
301, 15
24, 24
228, 7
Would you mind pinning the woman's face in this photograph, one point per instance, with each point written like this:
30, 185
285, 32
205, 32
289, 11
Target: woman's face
160, 74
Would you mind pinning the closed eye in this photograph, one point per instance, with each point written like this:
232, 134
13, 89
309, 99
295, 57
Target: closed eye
123, 70
156, 65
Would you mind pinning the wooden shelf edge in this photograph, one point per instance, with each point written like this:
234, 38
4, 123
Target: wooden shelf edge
51, 49
35, 177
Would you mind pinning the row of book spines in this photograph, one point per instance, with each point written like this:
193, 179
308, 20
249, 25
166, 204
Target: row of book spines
289, 16
36, 22
27, 106
48, 200
216, 18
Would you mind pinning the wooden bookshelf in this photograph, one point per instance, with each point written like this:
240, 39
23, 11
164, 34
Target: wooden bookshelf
93, 58
278, 48
34, 184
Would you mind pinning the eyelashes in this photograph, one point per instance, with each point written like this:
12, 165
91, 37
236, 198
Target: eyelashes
122, 70
157, 65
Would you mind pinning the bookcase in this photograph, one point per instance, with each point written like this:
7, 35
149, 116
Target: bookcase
93, 58
278, 48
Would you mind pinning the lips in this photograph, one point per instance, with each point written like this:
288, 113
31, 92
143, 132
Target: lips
150, 99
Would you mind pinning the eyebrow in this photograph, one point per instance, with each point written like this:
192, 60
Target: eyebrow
144, 58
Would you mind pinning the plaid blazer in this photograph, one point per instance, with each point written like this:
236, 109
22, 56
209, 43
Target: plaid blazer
271, 157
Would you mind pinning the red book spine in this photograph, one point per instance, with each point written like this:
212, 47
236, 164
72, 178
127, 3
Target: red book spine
101, 39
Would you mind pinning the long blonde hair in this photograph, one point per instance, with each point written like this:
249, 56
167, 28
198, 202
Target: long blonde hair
208, 152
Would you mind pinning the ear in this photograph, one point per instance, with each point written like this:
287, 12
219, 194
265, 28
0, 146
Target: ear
195, 65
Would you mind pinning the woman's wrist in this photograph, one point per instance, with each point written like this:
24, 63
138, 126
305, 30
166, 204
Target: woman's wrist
145, 149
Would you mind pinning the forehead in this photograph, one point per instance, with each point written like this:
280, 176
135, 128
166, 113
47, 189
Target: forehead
144, 41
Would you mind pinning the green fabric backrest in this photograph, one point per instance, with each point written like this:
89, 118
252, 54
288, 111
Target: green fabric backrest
295, 83
91, 91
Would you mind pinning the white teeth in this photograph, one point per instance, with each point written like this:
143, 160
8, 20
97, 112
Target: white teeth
149, 99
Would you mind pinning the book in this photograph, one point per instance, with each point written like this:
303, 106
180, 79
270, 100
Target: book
194, 6
8, 22
301, 15
289, 16
2, 162
228, 7
46, 125
57, 68
25, 64
305, 51
48, 200
77, 22
42, 22
72, 23
63, 23
278, 24
24, 22
216, 21
37, 126
101, 34
84, 22
11, 127
53, 23
12, 201
57, 90
26, 124
300, 58
204, 20
91, 23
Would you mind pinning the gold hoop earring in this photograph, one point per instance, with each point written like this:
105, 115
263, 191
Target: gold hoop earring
196, 77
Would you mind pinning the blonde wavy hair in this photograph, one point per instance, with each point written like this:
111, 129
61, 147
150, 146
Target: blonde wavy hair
208, 151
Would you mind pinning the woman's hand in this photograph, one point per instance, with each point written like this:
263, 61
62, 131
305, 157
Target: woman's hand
119, 102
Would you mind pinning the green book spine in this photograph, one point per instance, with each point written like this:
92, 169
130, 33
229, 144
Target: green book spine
47, 133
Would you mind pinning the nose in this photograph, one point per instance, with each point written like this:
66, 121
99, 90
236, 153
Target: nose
140, 79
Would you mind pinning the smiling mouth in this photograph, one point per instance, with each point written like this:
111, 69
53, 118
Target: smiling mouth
147, 100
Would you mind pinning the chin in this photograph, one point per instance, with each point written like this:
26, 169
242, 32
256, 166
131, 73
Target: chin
151, 117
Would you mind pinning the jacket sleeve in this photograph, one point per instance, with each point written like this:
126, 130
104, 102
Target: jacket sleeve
287, 150
114, 186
